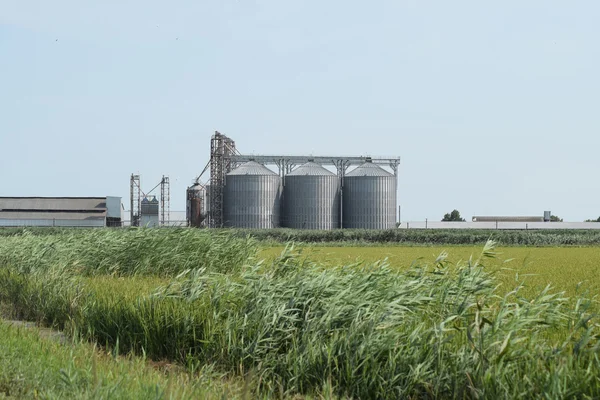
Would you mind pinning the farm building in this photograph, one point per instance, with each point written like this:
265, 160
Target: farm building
60, 211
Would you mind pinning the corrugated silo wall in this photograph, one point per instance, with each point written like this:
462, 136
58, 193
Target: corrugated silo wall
195, 206
369, 202
149, 208
311, 202
252, 201
149, 217
196, 217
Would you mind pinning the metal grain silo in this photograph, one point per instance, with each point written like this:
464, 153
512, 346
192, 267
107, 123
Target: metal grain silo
252, 197
311, 197
195, 205
369, 198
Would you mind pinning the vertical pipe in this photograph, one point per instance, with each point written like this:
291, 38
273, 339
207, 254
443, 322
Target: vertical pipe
131, 201
341, 169
341, 205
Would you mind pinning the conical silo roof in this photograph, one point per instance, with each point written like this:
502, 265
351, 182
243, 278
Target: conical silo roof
311, 169
252, 168
196, 187
150, 200
368, 169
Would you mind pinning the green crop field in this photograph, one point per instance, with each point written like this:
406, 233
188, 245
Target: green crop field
249, 318
570, 269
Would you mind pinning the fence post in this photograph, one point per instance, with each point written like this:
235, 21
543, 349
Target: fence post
425, 223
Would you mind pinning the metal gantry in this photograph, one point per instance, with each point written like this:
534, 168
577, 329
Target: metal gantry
287, 163
165, 201
135, 195
222, 149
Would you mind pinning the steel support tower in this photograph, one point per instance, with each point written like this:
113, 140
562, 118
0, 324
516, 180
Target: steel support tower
165, 201
222, 149
135, 195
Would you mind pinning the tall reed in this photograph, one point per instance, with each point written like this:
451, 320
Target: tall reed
160, 252
365, 331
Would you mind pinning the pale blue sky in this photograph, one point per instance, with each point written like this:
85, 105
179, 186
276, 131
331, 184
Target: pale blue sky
493, 107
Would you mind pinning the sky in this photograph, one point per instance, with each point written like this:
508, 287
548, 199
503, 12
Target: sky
493, 107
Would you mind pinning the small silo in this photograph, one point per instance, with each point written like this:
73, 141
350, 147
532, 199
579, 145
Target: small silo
311, 197
252, 197
149, 217
195, 205
369, 198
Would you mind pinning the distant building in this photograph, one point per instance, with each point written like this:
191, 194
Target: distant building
490, 218
60, 211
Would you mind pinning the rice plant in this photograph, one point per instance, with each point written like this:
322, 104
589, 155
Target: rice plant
363, 237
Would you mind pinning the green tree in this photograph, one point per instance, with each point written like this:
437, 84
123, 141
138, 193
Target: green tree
554, 218
592, 220
453, 216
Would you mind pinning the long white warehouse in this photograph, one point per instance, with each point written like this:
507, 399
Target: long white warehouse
60, 211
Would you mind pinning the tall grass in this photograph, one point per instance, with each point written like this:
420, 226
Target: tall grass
353, 237
34, 365
365, 331
128, 252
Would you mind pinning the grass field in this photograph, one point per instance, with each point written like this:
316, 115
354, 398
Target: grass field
314, 323
38, 363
